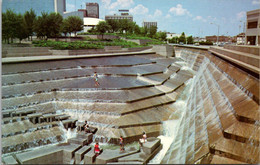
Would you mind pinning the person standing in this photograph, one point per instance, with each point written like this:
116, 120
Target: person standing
121, 142
96, 79
97, 149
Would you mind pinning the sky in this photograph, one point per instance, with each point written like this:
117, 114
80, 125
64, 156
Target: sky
194, 17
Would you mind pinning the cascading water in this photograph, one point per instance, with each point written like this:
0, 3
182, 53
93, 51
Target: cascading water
170, 127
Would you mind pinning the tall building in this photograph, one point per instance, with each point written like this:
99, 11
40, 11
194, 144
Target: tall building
149, 24
253, 27
92, 10
39, 6
124, 14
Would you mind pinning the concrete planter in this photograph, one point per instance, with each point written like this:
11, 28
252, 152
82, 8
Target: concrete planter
139, 41
165, 50
106, 37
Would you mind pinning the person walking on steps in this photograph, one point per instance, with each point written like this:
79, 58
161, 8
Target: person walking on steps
121, 142
96, 79
97, 149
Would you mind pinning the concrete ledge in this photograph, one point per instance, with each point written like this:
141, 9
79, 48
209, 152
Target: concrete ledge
244, 48
139, 41
9, 160
69, 152
46, 155
79, 155
240, 56
112, 156
150, 146
240, 63
49, 58
90, 157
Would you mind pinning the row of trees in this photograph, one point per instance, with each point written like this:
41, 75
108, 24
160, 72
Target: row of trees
45, 26
128, 27
182, 38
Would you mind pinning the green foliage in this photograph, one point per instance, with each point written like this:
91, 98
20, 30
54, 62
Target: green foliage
114, 25
206, 43
72, 24
60, 45
152, 31
161, 36
10, 22
48, 25
174, 40
29, 17
21, 30
102, 27
182, 38
190, 40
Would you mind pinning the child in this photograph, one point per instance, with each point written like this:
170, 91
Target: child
121, 143
96, 79
97, 149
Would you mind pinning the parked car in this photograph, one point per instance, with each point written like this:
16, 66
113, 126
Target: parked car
197, 44
181, 43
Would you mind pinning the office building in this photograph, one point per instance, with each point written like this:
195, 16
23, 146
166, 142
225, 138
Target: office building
124, 14
253, 27
92, 10
149, 24
39, 6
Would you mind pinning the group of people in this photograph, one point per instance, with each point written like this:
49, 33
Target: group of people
84, 127
98, 150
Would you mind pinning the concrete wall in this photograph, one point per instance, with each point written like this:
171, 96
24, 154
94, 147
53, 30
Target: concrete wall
100, 36
139, 41
165, 50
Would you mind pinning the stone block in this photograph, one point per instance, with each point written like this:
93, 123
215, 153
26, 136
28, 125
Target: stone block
90, 157
80, 141
69, 152
132, 162
44, 155
9, 160
113, 155
165, 50
150, 146
79, 155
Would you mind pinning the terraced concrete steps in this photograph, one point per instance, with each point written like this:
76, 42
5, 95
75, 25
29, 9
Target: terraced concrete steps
240, 152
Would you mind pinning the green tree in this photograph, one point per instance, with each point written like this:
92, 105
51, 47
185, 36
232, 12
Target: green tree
54, 23
9, 25
189, 40
161, 36
137, 30
102, 27
40, 25
114, 24
5, 28
21, 31
48, 25
144, 31
65, 27
152, 31
29, 17
182, 38
74, 24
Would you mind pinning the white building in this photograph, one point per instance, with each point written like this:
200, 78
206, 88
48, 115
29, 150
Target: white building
90, 23
253, 27
171, 35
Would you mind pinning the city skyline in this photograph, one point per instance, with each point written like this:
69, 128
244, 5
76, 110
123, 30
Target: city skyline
177, 16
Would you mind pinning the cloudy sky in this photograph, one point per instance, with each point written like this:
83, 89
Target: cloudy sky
190, 16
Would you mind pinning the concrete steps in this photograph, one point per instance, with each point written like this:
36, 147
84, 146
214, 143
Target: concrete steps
250, 62
236, 151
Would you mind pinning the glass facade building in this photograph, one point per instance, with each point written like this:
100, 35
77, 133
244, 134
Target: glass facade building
21, 6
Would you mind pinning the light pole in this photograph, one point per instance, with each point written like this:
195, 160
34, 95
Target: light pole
218, 30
